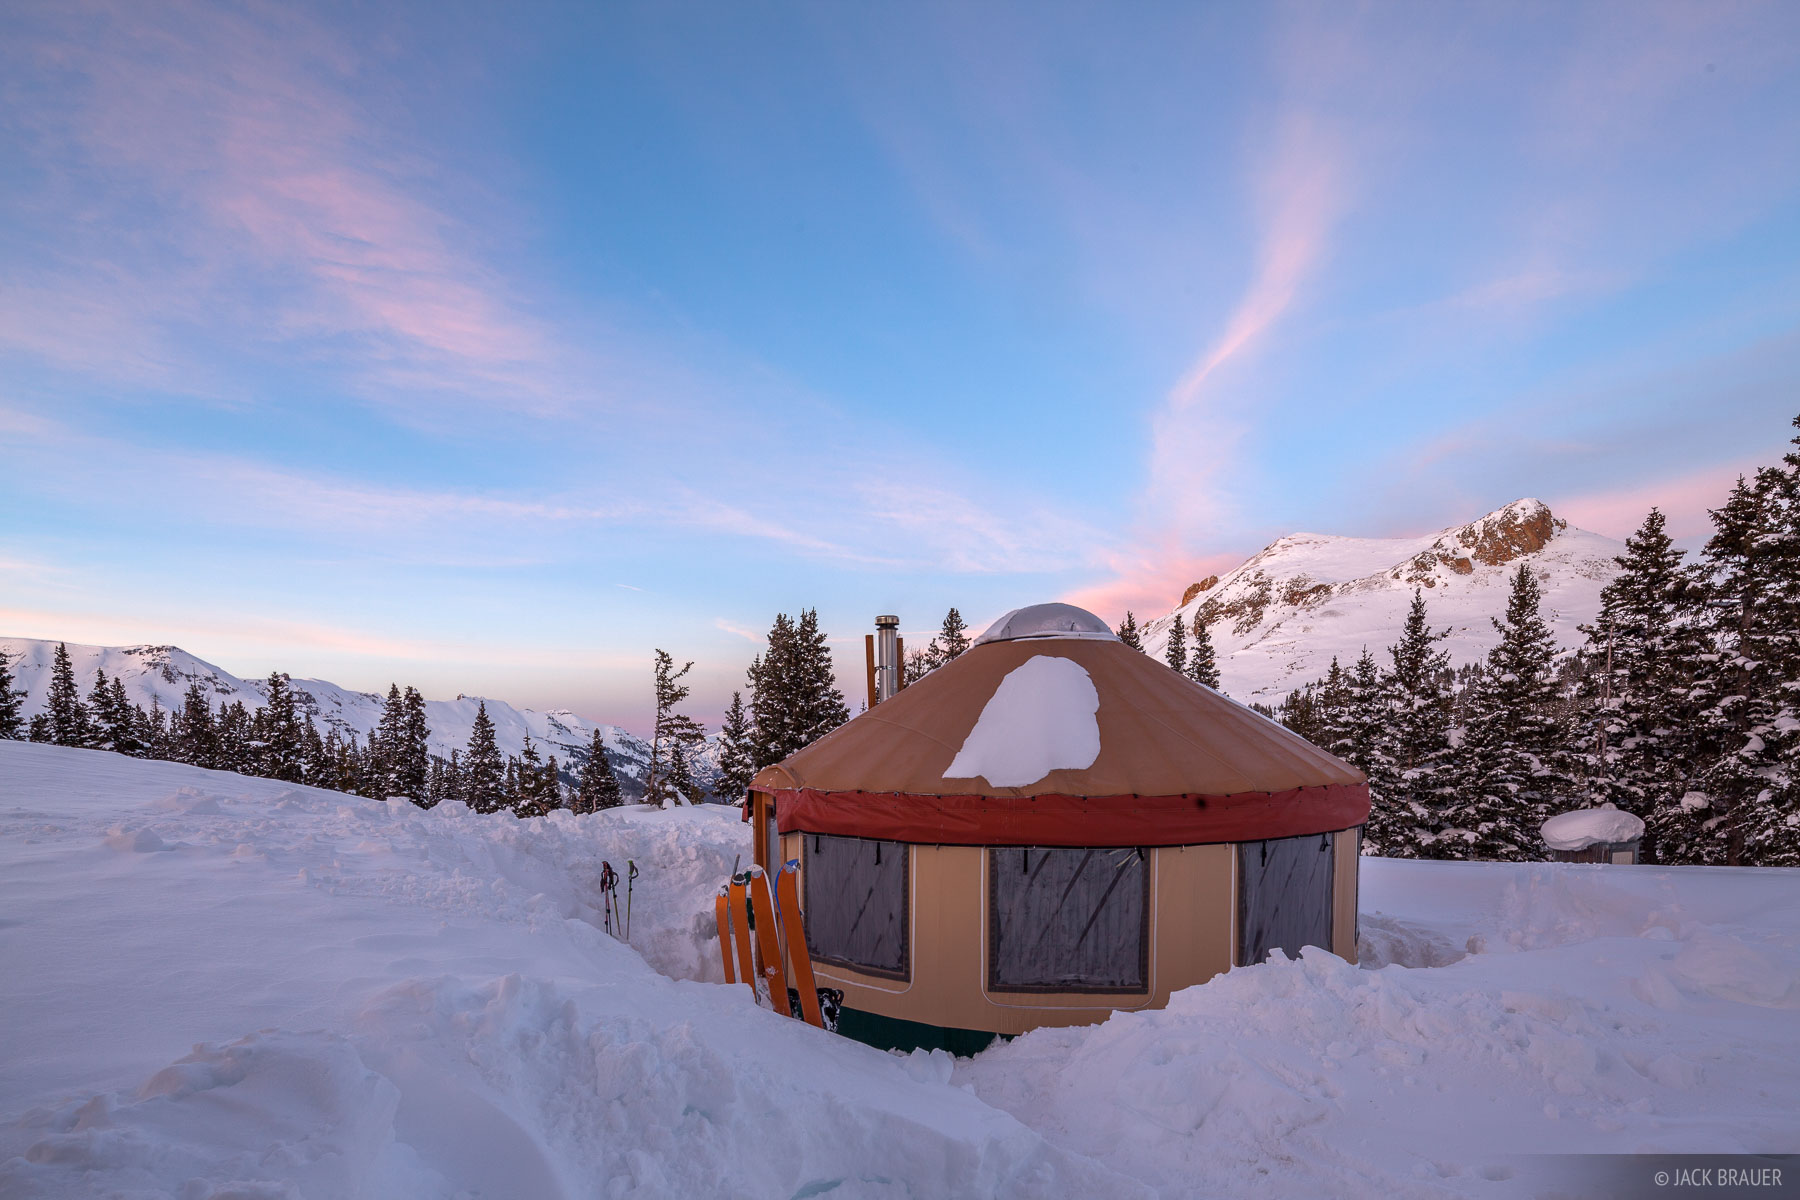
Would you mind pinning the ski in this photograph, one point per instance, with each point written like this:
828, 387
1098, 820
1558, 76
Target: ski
787, 891
768, 937
722, 908
740, 919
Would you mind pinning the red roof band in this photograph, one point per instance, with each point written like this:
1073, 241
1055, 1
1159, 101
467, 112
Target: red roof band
1056, 820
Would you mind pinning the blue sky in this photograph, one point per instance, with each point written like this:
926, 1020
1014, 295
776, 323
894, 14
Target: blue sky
488, 350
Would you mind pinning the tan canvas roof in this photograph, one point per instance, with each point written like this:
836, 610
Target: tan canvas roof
1160, 735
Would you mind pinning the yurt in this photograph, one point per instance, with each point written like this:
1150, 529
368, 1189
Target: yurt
1052, 827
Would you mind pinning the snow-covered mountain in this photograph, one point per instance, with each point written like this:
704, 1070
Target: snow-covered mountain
163, 673
1278, 620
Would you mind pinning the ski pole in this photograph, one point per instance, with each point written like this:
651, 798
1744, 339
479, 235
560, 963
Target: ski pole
631, 873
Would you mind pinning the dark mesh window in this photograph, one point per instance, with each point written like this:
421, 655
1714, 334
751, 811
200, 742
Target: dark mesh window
1284, 896
1067, 920
856, 902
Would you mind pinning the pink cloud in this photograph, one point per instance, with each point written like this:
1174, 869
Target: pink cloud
224, 166
1148, 585
1684, 500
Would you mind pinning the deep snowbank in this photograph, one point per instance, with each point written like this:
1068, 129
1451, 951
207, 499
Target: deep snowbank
218, 986
391, 1002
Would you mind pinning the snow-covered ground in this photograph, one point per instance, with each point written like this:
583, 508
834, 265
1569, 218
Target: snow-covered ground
217, 986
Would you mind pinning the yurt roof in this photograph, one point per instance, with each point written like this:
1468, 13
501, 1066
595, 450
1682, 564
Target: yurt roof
1050, 731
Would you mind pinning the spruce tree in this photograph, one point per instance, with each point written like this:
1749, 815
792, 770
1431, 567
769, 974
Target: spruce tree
1202, 667
1738, 804
794, 699
1415, 731
1176, 653
672, 728
235, 739
315, 761
122, 722
437, 784
68, 717
411, 755
278, 730
819, 704
195, 738
526, 780
599, 786
100, 713
387, 743
1515, 747
1128, 632
483, 782
1641, 656
737, 766
12, 717
681, 779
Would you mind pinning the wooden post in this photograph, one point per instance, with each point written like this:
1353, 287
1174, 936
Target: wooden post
869, 650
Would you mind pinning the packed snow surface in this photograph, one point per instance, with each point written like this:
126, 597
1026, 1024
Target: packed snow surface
218, 987
1586, 827
1040, 719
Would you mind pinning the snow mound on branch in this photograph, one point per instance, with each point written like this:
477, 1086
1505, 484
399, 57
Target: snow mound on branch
1040, 719
1584, 827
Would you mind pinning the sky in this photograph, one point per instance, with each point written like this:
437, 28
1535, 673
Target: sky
489, 348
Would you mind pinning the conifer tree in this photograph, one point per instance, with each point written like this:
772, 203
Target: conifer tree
237, 748
278, 730
1128, 632
315, 761
672, 728
100, 713
454, 787
794, 699
12, 716
1414, 731
122, 722
1738, 808
410, 758
1202, 667
737, 766
527, 780
680, 784
1641, 656
437, 784
819, 705
1176, 653
196, 739
152, 732
599, 786
509, 786
41, 730
1515, 747
483, 782
387, 743
68, 717
953, 639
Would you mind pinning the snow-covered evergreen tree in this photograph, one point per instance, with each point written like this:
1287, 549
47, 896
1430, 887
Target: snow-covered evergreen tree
100, 714
819, 705
737, 745
1129, 633
1515, 748
68, 716
12, 716
680, 784
1202, 666
236, 747
194, 734
483, 772
794, 699
1641, 654
410, 757
599, 785
1414, 732
122, 719
277, 728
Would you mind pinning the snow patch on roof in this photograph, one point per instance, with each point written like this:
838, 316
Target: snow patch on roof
1040, 719
1586, 827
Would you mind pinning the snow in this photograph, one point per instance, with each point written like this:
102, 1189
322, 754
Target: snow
1307, 598
1047, 621
1041, 718
1584, 827
219, 986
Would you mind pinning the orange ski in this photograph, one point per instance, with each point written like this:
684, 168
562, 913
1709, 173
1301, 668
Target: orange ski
740, 917
768, 939
798, 957
722, 907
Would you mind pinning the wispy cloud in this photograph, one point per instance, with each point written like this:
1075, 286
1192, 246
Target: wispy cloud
1684, 500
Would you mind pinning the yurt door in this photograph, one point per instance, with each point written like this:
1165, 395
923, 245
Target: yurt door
1284, 896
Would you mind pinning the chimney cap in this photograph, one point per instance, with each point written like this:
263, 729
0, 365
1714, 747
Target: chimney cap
887, 622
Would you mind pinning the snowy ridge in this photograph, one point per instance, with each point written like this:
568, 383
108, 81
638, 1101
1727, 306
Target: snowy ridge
222, 986
1278, 619
163, 673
